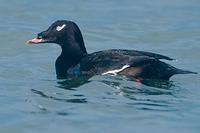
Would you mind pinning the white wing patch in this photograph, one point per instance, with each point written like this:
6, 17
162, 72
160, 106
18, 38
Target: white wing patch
59, 28
114, 72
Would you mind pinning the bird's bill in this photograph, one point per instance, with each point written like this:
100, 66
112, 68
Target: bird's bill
35, 41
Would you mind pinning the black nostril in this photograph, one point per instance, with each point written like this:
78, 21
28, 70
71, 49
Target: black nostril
40, 36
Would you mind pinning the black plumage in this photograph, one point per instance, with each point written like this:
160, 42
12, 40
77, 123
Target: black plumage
74, 57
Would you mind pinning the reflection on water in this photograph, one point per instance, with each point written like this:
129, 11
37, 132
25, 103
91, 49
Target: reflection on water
142, 95
42, 94
164, 84
71, 83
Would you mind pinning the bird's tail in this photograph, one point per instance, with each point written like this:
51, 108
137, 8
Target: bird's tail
180, 71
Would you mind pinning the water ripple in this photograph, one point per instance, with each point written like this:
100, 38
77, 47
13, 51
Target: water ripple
75, 100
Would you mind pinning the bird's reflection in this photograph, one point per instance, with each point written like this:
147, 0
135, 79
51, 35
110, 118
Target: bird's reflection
164, 84
117, 82
146, 95
71, 100
147, 87
72, 83
123, 86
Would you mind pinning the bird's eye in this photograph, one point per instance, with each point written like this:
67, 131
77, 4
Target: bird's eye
59, 28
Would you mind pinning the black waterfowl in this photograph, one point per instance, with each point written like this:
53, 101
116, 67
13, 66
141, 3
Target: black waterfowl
74, 59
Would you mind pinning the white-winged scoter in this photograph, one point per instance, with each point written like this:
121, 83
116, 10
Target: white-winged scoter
74, 58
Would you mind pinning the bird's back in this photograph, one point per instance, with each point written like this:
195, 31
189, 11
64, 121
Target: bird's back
131, 63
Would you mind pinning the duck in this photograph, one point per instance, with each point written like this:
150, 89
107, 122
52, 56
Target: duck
75, 60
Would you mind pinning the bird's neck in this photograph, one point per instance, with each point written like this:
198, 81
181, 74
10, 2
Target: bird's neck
67, 59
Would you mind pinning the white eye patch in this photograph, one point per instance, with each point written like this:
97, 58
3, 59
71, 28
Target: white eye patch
59, 28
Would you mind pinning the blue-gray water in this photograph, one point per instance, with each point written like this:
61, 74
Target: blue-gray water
33, 101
